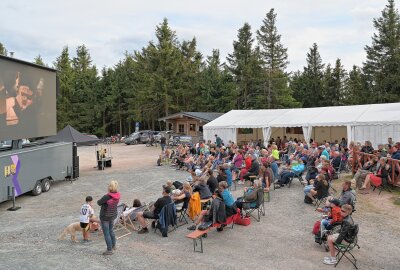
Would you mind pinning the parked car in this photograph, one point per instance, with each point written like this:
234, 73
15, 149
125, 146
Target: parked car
135, 137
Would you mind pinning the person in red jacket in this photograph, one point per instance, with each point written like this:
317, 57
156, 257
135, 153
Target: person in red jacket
108, 213
333, 217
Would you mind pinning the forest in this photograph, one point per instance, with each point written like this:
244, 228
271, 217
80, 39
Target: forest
170, 75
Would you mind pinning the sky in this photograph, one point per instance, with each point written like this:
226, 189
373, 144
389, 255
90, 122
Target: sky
341, 28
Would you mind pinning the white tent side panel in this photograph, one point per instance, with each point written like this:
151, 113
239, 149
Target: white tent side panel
226, 134
376, 134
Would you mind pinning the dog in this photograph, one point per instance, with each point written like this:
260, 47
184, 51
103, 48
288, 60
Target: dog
71, 229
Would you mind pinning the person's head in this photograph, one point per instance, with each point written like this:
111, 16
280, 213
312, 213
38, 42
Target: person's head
346, 185
136, 203
346, 210
222, 186
166, 190
216, 135
89, 200
113, 186
334, 202
198, 172
382, 161
274, 147
187, 187
169, 183
390, 140
210, 172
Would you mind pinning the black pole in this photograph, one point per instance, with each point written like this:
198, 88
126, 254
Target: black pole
13, 208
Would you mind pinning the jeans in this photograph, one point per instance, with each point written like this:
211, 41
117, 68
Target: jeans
308, 188
108, 232
285, 177
163, 147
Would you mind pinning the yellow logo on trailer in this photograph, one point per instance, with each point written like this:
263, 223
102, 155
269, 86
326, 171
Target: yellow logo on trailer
9, 170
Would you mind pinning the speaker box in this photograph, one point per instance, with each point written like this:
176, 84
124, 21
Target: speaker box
75, 172
75, 161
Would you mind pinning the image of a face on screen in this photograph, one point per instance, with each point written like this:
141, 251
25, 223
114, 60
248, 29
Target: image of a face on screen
27, 101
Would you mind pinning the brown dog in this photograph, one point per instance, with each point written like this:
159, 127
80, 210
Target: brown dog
71, 229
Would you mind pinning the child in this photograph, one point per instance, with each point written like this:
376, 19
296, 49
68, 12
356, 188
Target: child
333, 217
85, 214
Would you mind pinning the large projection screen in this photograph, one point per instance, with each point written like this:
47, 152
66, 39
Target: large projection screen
27, 100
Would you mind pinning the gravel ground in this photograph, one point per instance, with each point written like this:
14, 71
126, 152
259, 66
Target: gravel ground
282, 240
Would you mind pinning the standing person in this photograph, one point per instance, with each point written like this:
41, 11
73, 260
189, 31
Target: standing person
163, 142
218, 141
108, 213
84, 217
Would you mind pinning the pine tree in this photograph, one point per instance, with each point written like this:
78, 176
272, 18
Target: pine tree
334, 85
311, 92
65, 90
355, 91
3, 50
382, 67
245, 66
275, 60
39, 61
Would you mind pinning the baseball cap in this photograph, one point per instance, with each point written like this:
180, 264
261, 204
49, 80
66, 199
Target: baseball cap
197, 172
335, 202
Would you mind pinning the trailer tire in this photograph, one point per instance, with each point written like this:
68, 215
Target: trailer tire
46, 185
37, 190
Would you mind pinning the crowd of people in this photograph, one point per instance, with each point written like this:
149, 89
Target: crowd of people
214, 167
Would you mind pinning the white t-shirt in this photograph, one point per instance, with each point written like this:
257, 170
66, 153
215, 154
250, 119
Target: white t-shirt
86, 213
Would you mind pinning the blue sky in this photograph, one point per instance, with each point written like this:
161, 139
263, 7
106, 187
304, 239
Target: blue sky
341, 28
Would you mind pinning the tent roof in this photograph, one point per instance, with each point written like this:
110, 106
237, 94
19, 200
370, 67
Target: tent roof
69, 134
204, 116
371, 114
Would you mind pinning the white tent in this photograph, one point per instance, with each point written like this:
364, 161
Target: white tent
374, 122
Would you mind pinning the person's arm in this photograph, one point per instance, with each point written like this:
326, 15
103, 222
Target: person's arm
103, 200
179, 197
250, 196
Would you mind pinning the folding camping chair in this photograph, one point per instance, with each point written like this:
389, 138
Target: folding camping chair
249, 207
182, 214
299, 176
345, 249
119, 222
129, 216
319, 201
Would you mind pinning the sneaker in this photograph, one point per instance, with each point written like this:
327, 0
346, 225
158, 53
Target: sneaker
241, 183
86, 241
143, 231
108, 252
330, 261
192, 228
114, 247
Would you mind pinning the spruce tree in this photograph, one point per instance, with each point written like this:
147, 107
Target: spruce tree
3, 50
39, 61
245, 66
274, 60
382, 67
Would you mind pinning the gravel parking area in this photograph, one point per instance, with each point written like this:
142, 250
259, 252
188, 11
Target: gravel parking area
282, 240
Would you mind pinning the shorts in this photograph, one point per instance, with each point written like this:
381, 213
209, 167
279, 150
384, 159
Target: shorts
334, 236
85, 226
149, 215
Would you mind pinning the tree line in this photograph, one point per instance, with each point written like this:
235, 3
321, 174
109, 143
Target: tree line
168, 76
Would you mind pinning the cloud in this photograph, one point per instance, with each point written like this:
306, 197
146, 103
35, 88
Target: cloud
108, 28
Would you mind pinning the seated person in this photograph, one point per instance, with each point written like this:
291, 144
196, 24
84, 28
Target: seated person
212, 182
296, 169
184, 196
228, 173
361, 174
170, 185
223, 194
155, 211
250, 194
344, 234
346, 197
319, 189
334, 215
254, 169
336, 159
203, 189
377, 179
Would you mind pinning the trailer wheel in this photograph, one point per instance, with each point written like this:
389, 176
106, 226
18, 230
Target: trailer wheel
37, 190
45, 185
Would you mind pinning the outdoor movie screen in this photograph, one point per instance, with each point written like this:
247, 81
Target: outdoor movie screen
27, 100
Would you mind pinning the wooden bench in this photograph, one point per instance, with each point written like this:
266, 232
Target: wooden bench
198, 235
